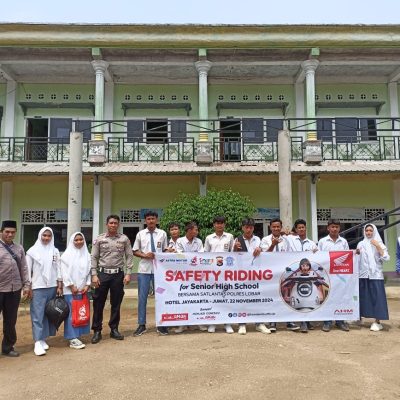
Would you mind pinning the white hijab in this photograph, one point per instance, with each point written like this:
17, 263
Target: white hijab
44, 254
75, 263
370, 251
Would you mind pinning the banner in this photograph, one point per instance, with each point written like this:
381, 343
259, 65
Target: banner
220, 288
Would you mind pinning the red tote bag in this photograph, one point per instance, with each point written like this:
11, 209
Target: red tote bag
80, 311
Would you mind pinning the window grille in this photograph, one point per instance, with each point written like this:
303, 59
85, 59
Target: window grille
130, 216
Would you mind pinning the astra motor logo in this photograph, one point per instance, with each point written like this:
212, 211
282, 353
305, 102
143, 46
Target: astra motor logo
178, 258
341, 262
344, 311
240, 315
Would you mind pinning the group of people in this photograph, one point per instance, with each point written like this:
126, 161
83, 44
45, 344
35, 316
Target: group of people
42, 274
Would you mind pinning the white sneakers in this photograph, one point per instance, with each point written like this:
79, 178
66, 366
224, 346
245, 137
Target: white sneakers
44, 344
211, 328
38, 349
229, 329
242, 329
375, 327
262, 328
76, 344
180, 329
203, 328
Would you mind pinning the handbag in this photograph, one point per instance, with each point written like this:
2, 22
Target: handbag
80, 314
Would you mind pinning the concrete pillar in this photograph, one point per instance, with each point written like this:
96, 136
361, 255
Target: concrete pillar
9, 117
6, 200
313, 208
285, 179
309, 68
203, 185
100, 68
75, 183
202, 68
107, 197
96, 206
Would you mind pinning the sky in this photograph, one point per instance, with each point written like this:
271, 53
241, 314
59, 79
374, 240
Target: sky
204, 11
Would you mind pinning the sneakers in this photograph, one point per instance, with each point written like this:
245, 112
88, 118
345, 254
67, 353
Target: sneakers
272, 327
162, 330
76, 344
242, 329
303, 327
342, 326
326, 327
44, 344
38, 349
203, 328
140, 330
291, 326
310, 326
375, 327
180, 329
262, 328
229, 329
211, 329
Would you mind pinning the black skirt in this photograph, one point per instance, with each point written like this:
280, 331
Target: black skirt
373, 303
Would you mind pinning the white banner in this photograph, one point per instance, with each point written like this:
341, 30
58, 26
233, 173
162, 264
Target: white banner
219, 288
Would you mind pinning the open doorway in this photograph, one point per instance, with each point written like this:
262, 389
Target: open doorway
229, 134
37, 132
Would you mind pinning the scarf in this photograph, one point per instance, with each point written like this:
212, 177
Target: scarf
370, 252
75, 263
44, 254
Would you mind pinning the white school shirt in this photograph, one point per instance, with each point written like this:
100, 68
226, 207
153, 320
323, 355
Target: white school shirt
252, 243
327, 244
219, 244
35, 271
294, 243
183, 245
267, 241
143, 243
172, 244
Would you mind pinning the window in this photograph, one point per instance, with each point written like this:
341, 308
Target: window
156, 131
60, 128
273, 127
346, 129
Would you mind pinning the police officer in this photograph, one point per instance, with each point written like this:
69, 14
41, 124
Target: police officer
111, 251
13, 277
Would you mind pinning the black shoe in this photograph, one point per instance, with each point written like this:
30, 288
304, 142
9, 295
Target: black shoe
291, 326
162, 330
326, 327
272, 327
140, 330
310, 326
96, 337
304, 327
342, 326
114, 334
11, 353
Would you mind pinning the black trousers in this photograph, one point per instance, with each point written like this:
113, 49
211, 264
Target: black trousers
115, 284
9, 303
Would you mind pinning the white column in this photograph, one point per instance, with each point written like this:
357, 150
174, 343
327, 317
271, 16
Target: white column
309, 68
285, 179
203, 185
396, 201
6, 200
313, 210
75, 183
96, 206
302, 194
202, 68
107, 197
100, 68
9, 118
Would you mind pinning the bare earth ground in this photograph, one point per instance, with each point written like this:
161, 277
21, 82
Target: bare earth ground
198, 365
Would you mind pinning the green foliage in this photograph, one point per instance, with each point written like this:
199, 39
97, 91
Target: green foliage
202, 209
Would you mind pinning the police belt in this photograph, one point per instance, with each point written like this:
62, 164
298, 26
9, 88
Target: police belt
110, 270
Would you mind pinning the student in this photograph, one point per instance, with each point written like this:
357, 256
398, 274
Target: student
276, 242
75, 273
148, 241
43, 261
190, 243
372, 253
248, 242
298, 241
174, 233
333, 242
218, 242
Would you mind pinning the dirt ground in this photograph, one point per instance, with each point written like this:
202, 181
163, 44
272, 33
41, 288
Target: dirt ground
356, 365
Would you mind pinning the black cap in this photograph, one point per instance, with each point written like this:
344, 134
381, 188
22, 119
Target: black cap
8, 224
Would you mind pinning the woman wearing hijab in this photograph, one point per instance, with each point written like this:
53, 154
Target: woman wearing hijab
372, 253
43, 261
75, 272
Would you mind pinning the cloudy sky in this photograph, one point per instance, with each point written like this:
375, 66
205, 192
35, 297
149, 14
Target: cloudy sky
204, 11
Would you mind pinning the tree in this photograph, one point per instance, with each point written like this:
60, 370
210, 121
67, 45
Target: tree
202, 209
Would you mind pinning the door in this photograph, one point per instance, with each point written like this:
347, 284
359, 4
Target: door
37, 135
230, 143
